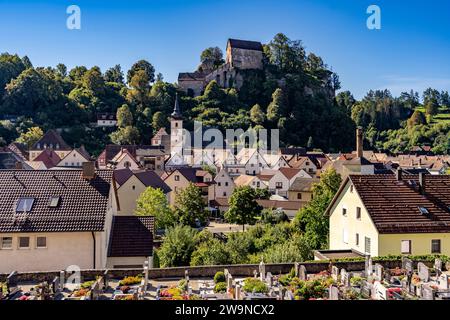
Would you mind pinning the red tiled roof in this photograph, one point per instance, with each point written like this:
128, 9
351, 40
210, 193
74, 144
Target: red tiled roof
289, 172
51, 139
394, 205
49, 157
131, 236
82, 206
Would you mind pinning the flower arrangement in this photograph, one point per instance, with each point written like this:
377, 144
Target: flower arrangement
130, 281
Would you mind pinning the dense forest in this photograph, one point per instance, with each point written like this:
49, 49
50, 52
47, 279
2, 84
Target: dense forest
294, 92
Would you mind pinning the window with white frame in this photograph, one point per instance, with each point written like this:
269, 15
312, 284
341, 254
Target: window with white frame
406, 246
6, 243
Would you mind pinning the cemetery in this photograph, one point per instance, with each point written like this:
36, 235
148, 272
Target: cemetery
408, 280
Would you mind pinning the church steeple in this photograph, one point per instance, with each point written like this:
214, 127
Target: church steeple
176, 114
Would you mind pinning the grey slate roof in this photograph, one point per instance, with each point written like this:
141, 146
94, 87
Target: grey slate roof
245, 44
82, 206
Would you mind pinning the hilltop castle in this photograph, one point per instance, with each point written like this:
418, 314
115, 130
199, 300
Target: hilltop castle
240, 55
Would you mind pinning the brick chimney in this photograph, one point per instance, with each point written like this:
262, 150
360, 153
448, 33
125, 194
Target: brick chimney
359, 142
88, 170
399, 174
422, 182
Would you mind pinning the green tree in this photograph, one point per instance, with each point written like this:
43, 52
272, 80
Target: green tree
93, 81
243, 208
211, 58
417, 118
159, 121
10, 67
311, 219
153, 202
142, 65
177, 247
114, 74
277, 106
61, 69
257, 115
190, 205
432, 107
124, 116
125, 135
31, 136
210, 252
287, 55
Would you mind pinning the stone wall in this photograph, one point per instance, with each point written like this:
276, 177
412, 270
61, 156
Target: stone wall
246, 59
208, 271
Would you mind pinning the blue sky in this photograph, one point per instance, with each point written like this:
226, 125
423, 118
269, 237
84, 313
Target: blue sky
411, 51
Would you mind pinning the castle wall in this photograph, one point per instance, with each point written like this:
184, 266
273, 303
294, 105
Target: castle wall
196, 86
245, 59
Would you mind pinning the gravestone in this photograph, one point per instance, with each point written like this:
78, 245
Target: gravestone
379, 291
255, 274
229, 282
62, 280
289, 295
269, 280
225, 272
145, 279
443, 281
424, 272
438, 266
95, 290
333, 293
11, 283
56, 288
366, 291
407, 264
302, 272
296, 270
237, 292
345, 278
262, 270
379, 272
368, 266
427, 293
105, 279
334, 273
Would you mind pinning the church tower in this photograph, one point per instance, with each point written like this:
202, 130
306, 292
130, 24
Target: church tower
176, 130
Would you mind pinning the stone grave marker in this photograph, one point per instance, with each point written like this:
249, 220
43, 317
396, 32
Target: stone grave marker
229, 282
296, 266
56, 288
95, 290
262, 270
105, 279
368, 266
443, 281
380, 291
302, 272
237, 292
11, 283
366, 291
145, 278
255, 274
345, 278
333, 293
438, 266
62, 280
407, 264
289, 295
334, 273
424, 272
427, 293
269, 280
379, 272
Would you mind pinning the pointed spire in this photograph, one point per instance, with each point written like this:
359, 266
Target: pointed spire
176, 114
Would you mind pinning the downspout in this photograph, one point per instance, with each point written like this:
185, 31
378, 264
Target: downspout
93, 238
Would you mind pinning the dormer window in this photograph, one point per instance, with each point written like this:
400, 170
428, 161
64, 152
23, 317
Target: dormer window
54, 201
24, 204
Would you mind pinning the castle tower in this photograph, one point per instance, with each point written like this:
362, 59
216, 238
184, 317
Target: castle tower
176, 130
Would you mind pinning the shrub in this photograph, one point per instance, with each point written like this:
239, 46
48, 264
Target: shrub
220, 287
87, 284
130, 281
183, 285
219, 277
255, 285
356, 281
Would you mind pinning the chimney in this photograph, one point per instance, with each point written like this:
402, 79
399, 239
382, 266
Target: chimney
422, 182
18, 165
359, 142
88, 170
399, 174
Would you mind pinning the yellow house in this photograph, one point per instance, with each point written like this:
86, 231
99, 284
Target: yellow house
392, 214
301, 189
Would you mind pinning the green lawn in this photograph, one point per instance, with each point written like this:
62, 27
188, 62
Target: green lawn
442, 117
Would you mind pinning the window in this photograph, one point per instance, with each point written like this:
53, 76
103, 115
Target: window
367, 245
279, 185
351, 188
24, 204
258, 184
344, 236
133, 187
24, 242
177, 177
358, 213
54, 201
406, 247
436, 246
226, 184
41, 242
344, 212
224, 194
6, 243
299, 196
357, 239
219, 184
